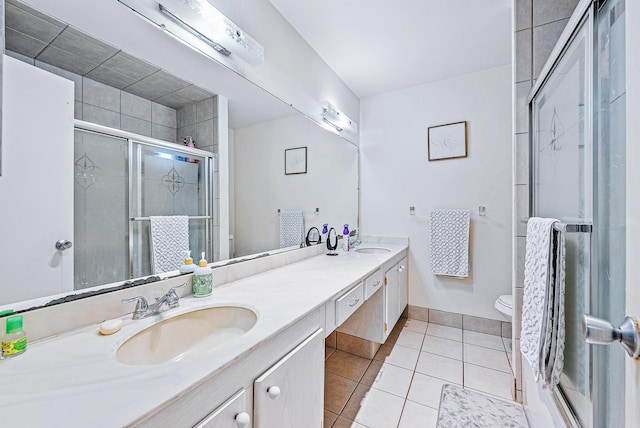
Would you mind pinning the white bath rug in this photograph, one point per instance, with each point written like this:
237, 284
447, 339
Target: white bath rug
464, 408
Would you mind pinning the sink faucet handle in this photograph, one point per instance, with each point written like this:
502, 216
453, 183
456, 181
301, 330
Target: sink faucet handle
172, 297
141, 307
184, 284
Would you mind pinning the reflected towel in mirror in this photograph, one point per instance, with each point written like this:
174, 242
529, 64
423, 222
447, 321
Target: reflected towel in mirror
291, 228
169, 238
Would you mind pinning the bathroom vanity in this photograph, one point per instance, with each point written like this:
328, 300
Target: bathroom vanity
254, 371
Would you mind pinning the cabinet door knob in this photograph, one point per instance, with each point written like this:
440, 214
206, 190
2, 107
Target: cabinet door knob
274, 392
242, 420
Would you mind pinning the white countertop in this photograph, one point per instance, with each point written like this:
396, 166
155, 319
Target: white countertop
74, 379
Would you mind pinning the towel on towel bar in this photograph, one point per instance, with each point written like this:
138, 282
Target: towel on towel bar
169, 240
450, 242
543, 331
291, 228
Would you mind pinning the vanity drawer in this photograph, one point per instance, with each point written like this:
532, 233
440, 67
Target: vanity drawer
373, 283
349, 302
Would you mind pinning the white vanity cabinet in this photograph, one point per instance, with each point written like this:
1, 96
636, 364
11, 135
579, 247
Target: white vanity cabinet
403, 290
396, 292
291, 393
234, 413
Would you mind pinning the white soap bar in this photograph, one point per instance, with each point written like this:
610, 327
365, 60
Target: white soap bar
111, 326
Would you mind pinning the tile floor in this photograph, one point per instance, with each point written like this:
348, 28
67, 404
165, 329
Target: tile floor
401, 386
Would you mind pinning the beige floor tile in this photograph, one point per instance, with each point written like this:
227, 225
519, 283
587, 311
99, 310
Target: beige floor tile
426, 390
410, 339
347, 365
486, 357
374, 408
329, 418
445, 347
415, 325
488, 380
441, 367
485, 340
445, 332
416, 415
383, 352
346, 423
337, 391
401, 356
388, 378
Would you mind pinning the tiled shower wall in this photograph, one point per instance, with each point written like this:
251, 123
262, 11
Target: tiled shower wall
538, 25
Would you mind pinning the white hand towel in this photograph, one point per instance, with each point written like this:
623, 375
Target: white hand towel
291, 228
542, 336
450, 242
169, 240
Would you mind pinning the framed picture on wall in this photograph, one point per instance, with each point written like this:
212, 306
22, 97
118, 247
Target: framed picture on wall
295, 161
447, 141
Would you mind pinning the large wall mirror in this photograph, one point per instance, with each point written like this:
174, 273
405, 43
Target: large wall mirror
154, 129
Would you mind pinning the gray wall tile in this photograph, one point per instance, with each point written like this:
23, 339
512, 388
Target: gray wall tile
445, 318
205, 109
522, 208
135, 125
482, 325
20, 57
77, 110
25, 22
164, 133
129, 66
22, 43
135, 106
522, 159
187, 115
147, 90
100, 95
110, 77
100, 116
521, 243
163, 115
546, 11
193, 93
517, 312
523, 13
522, 110
523, 55
67, 60
92, 50
205, 134
544, 39
167, 81
507, 328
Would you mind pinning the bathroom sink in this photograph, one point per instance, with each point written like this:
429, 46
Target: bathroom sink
372, 250
172, 337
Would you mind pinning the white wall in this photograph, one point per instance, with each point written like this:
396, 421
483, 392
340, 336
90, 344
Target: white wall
261, 187
396, 174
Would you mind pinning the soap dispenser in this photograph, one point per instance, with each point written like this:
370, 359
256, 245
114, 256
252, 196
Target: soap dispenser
188, 266
345, 238
202, 279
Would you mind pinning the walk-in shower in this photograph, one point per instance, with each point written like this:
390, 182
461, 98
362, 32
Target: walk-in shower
121, 180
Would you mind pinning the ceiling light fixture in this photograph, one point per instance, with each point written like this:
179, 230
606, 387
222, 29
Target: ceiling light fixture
335, 118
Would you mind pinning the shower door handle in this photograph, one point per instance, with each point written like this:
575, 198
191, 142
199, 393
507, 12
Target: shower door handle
63, 244
601, 332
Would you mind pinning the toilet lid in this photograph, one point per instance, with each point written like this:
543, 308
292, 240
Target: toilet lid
506, 300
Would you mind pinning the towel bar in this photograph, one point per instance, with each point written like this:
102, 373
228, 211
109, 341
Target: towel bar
573, 228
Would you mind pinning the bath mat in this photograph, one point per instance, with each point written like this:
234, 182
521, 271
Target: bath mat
463, 408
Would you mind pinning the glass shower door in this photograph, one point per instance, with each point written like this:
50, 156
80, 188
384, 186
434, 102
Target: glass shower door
562, 180
166, 182
578, 176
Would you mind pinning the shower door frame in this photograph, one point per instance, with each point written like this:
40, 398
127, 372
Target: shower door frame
585, 12
131, 138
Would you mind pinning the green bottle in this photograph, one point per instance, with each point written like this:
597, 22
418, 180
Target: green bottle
15, 341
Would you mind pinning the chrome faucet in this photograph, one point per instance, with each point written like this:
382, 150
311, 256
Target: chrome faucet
169, 301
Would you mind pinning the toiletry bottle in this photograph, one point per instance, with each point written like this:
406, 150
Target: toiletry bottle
325, 230
189, 143
188, 266
202, 279
15, 341
345, 238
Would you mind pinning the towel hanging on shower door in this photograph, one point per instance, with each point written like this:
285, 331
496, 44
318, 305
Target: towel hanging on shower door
169, 239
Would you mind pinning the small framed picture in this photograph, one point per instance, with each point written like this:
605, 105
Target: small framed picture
447, 141
295, 161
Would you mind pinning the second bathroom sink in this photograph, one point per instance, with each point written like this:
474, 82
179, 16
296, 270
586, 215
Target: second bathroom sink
172, 337
372, 250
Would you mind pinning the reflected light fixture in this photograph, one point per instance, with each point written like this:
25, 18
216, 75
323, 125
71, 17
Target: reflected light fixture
336, 119
200, 25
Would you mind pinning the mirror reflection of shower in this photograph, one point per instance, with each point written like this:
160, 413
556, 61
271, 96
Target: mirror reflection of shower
119, 184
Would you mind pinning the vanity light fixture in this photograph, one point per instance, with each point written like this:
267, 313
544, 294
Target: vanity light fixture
336, 119
208, 24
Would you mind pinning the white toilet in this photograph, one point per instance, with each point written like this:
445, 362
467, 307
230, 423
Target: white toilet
504, 304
